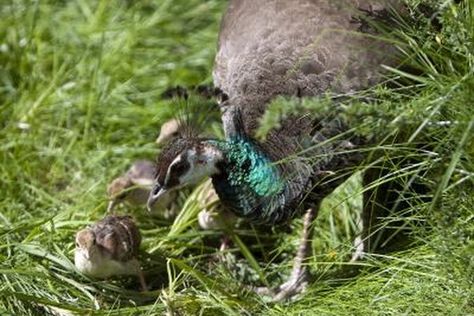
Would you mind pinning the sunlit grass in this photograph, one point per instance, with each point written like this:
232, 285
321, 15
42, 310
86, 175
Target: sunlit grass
80, 86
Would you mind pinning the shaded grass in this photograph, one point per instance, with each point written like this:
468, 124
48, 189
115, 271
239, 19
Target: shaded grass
80, 86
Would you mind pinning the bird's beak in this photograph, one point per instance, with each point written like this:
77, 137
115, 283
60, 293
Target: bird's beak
111, 206
155, 194
160, 139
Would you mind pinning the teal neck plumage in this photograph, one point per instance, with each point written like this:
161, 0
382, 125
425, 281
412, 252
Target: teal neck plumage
250, 167
249, 183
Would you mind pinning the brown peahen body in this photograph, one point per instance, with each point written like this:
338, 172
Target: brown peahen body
271, 48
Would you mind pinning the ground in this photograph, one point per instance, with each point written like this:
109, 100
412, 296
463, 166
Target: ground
80, 99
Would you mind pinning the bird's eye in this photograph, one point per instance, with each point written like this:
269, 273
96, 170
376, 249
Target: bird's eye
77, 245
156, 189
179, 167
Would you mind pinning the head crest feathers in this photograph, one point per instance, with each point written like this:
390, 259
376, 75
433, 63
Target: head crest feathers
193, 115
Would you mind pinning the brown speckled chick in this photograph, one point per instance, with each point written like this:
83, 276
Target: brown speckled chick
213, 216
134, 187
109, 248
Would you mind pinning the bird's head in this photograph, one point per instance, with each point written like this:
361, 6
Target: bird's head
117, 191
118, 187
169, 131
86, 243
184, 161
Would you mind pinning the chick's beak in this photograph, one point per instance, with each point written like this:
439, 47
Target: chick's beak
155, 194
111, 206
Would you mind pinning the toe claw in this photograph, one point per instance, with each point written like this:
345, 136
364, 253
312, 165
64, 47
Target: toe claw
285, 291
263, 291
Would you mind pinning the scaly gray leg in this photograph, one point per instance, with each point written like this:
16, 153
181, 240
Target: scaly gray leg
140, 275
299, 276
371, 197
383, 201
359, 244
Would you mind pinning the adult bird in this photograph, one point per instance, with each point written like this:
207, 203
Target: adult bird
270, 48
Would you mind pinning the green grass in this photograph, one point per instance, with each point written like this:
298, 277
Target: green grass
80, 85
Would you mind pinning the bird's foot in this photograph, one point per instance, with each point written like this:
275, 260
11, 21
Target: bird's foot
141, 279
295, 285
224, 256
225, 242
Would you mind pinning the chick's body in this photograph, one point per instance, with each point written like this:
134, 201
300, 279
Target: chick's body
109, 248
134, 187
213, 215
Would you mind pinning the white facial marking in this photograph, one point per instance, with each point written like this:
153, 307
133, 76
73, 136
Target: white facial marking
201, 164
174, 162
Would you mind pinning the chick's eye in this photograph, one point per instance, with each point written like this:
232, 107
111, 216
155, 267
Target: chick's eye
77, 244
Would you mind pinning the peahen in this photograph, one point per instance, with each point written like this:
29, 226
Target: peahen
271, 48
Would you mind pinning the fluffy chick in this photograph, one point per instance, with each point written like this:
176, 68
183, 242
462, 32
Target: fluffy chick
109, 248
134, 187
213, 215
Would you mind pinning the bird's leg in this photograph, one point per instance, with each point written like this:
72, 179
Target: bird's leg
381, 200
222, 255
299, 276
359, 242
140, 275
225, 240
362, 242
141, 278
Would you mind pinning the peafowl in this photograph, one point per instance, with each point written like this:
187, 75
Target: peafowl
134, 187
212, 216
109, 247
168, 131
271, 48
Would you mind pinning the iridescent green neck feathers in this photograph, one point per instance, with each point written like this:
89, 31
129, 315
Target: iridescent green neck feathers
247, 165
249, 182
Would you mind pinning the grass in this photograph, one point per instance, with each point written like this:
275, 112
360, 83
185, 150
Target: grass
80, 86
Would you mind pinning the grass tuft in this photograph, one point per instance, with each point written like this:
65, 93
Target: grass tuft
80, 99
